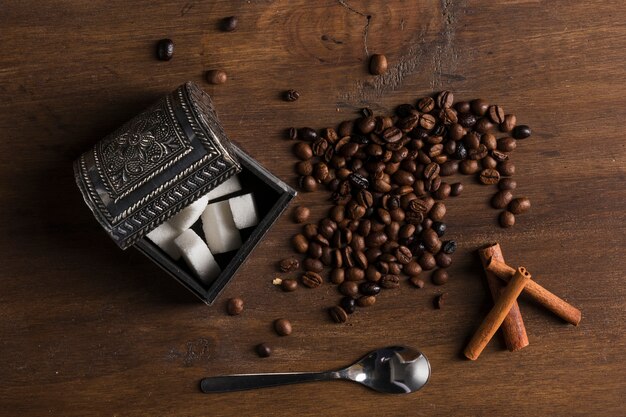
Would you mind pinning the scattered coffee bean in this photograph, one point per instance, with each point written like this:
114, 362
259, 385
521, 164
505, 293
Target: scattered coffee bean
289, 264
369, 288
456, 189
348, 304
291, 95
418, 282
165, 49
303, 151
311, 279
378, 64
308, 134
289, 285
366, 301
439, 228
282, 327
443, 259
313, 264
439, 301
479, 107
489, 176
338, 314
390, 281
229, 24
439, 277
521, 132
507, 184
519, 205
300, 243
507, 219
235, 306
449, 247
301, 214
506, 168
263, 350
216, 77
349, 288
444, 99
308, 183
501, 199
509, 123
507, 144
496, 114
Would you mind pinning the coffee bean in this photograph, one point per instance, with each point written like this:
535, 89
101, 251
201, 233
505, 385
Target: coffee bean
439, 277
378, 64
289, 264
469, 167
369, 288
348, 304
291, 95
311, 279
521, 132
488, 162
412, 269
263, 350
507, 219
216, 77
300, 243
501, 199
337, 276
427, 261
426, 104
466, 119
366, 301
310, 230
349, 288
428, 121
229, 24
507, 184
439, 228
431, 171
444, 99
443, 191
355, 274
456, 189
483, 125
301, 214
489, 176
304, 168
479, 107
519, 205
165, 49
390, 281
282, 327
308, 183
478, 153
235, 306
438, 211
507, 144
303, 151
289, 285
496, 114
506, 168
439, 301
461, 151
307, 134
345, 128
508, 124
449, 247
338, 314
417, 282
313, 265
372, 274
443, 259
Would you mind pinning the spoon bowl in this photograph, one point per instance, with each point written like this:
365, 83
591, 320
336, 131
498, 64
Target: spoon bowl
393, 370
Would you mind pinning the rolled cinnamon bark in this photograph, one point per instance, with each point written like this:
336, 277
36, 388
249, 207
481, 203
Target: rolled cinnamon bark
513, 328
536, 292
498, 313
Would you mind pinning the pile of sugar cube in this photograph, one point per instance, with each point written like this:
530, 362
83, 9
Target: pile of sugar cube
221, 222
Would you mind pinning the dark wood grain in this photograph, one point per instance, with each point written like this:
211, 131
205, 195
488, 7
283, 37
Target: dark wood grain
87, 329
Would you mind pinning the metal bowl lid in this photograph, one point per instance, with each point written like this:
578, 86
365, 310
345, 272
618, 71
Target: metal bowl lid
156, 164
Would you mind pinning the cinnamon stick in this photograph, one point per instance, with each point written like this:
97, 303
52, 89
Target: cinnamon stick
498, 313
513, 329
536, 292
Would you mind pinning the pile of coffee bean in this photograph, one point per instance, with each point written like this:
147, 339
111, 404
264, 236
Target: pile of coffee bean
386, 175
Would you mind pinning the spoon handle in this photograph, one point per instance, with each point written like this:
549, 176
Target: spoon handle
242, 382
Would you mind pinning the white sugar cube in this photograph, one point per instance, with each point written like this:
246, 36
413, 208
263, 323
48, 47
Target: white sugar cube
163, 236
229, 186
219, 228
198, 256
244, 211
185, 218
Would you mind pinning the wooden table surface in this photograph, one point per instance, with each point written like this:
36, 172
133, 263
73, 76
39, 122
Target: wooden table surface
87, 329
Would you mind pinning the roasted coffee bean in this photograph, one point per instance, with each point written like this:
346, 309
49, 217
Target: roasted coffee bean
165, 49
461, 151
448, 116
392, 135
489, 141
428, 121
417, 282
327, 256
469, 167
358, 244
289, 285
330, 134
507, 144
406, 231
366, 301
349, 288
507, 219
489, 176
337, 275
216, 77
378, 64
501, 199
235, 306
372, 274
263, 350
479, 107
519, 205
426, 104
489, 162
360, 260
292, 133
427, 261
456, 189
304, 168
449, 168
438, 211
300, 243
369, 288
303, 151
466, 119
499, 156
310, 230
443, 191
347, 255
431, 171
412, 269
444, 99
337, 213
483, 125
508, 124
229, 24
307, 134
403, 255
289, 264
338, 314
348, 304
313, 265
521, 132
496, 114
358, 181
506, 168
301, 214
355, 274
439, 228
430, 238
471, 140
320, 146
375, 239
449, 247
443, 259
291, 95
507, 184
439, 277
308, 183
311, 279
439, 301
478, 153
345, 128
326, 228
282, 327
395, 268
366, 124
408, 123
